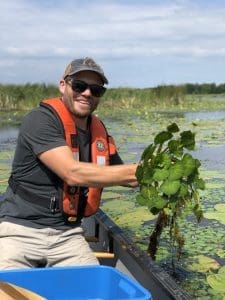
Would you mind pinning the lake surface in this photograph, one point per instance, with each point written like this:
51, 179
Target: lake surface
8, 137
132, 135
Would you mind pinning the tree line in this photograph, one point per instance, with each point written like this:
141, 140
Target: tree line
29, 95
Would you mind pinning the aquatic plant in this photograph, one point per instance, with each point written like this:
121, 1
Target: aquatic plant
169, 185
217, 281
218, 213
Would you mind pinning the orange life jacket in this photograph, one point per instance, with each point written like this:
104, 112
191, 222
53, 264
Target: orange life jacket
102, 146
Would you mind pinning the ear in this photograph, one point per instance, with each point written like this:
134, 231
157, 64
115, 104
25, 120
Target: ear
62, 86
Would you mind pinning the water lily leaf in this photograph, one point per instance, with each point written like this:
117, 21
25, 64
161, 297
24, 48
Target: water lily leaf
147, 176
173, 145
147, 153
173, 128
175, 172
139, 173
217, 281
214, 216
134, 218
200, 184
144, 191
218, 215
154, 210
179, 152
183, 190
197, 163
203, 264
160, 202
188, 139
188, 163
144, 173
220, 207
152, 192
149, 196
123, 204
221, 253
110, 195
170, 187
162, 161
165, 161
162, 137
141, 200
222, 270
160, 174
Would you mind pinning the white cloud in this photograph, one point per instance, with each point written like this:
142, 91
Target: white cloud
111, 29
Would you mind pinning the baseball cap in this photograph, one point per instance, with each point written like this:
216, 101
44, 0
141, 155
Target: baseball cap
84, 64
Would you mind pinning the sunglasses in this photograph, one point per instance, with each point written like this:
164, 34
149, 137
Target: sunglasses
80, 86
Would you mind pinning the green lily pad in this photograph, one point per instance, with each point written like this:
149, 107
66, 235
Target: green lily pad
160, 174
217, 281
134, 218
220, 207
221, 253
110, 195
203, 264
162, 137
188, 139
189, 164
173, 128
175, 172
123, 205
170, 187
218, 214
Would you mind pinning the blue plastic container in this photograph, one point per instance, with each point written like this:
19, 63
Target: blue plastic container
84, 282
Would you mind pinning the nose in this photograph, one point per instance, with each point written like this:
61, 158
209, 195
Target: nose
87, 92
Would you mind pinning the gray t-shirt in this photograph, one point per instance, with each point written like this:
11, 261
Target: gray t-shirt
39, 132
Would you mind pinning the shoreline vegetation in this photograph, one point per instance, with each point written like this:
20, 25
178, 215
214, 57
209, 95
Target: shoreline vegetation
186, 97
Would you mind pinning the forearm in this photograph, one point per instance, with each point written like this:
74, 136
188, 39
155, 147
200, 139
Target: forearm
60, 160
88, 174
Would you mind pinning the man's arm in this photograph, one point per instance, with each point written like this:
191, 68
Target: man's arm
60, 160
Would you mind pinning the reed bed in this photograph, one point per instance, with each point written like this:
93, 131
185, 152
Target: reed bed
166, 97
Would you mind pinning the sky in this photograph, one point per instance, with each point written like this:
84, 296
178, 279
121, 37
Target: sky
138, 43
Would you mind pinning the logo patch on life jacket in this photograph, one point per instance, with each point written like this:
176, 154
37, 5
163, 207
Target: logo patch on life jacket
100, 145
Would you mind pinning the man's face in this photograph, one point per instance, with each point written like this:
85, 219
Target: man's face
80, 104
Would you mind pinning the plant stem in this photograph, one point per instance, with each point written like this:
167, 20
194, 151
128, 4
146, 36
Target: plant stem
154, 237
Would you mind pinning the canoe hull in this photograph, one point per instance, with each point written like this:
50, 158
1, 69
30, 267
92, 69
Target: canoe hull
105, 236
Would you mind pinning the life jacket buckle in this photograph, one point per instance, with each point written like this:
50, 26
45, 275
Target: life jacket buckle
72, 219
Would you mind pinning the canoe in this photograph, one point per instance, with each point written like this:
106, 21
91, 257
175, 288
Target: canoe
114, 248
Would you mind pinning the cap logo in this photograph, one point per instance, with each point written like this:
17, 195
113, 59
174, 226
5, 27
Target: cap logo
100, 145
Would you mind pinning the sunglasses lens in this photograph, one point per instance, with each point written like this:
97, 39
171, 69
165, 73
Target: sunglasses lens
97, 90
80, 86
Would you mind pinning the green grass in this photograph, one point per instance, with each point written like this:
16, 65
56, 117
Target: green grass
161, 98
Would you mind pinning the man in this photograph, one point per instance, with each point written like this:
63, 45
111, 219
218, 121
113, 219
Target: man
63, 159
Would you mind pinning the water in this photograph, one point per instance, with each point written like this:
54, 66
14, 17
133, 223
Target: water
206, 115
212, 158
191, 116
132, 136
8, 137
